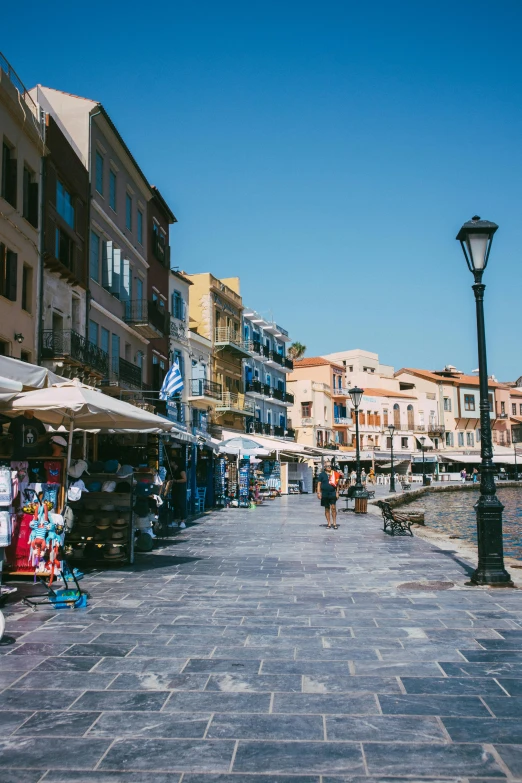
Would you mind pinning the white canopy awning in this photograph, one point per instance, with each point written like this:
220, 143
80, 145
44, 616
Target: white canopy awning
278, 444
469, 458
31, 376
74, 403
428, 443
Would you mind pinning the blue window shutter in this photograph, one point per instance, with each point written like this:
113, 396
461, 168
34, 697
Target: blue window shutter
116, 271
107, 265
125, 292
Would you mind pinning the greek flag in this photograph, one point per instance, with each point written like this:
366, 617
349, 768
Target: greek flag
173, 382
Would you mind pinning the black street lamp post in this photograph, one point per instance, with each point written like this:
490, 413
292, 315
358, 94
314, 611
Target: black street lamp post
360, 495
514, 441
476, 237
422, 442
391, 430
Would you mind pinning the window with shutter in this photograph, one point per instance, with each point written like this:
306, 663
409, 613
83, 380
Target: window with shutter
107, 254
125, 280
11, 275
9, 175
116, 272
27, 288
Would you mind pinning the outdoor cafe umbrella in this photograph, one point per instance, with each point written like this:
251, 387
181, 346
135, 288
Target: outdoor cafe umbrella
245, 447
74, 404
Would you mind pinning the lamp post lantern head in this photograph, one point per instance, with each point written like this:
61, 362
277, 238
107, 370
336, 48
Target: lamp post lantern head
356, 395
475, 238
391, 429
422, 440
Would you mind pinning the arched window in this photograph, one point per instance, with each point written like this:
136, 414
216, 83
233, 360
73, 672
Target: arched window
396, 416
410, 416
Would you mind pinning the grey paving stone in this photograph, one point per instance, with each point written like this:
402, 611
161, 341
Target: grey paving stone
491, 730
334, 683
511, 755
142, 665
33, 753
121, 700
470, 706
150, 681
170, 755
292, 757
504, 707
310, 703
403, 759
52, 724
100, 650
21, 663
481, 669
103, 776
218, 702
267, 727
379, 728
21, 776
263, 683
512, 686
157, 724
15, 699
65, 664
304, 667
71, 680
10, 720
452, 686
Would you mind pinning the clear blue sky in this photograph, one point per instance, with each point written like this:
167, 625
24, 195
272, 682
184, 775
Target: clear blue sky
327, 153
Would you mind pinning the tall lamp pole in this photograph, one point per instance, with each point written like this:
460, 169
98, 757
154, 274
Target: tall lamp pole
360, 495
514, 441
391, 430
476, 237
422, 442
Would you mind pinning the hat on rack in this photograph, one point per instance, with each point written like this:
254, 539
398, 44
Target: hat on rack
94, 486
111, 466
123, 486
120, 523
108, 507
109, 486
124, 471
59, 440
142, 523
114, 552
103, 524
117, 536
78, 468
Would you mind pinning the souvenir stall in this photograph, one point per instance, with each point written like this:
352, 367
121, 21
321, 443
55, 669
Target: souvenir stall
234, 472
63, 504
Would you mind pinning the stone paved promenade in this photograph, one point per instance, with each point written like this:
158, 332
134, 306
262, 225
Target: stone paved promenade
260, 648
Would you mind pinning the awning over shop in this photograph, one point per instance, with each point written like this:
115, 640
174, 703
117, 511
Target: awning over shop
427, 458
461, 458
428, 443
281, 445
384, 456
24, 376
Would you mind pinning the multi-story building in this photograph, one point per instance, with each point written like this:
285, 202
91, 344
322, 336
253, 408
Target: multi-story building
204, 395
23, 147
319, 413
265, 374
179, 288
156, 305
65, 347
363, 368
216, 311
118, 320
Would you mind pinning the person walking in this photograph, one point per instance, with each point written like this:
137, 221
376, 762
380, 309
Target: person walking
463, 475
328, 492
371, 476
353, 477
475, 475
363, 477
179, 492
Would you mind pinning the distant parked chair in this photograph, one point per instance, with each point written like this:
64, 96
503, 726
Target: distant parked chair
199, 500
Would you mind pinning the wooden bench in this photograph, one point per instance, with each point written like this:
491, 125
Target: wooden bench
395, 524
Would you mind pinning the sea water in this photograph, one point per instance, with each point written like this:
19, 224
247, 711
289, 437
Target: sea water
453, 513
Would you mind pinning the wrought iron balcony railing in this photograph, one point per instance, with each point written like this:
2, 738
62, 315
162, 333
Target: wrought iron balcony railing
124, 373
200, 387
69, 344
143, 313
236, 402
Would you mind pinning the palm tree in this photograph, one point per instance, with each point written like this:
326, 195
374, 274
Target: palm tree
297, 350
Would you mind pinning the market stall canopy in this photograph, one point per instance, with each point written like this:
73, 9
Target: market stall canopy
10, 387
469, 458
245, 446
274, 444
31, 376
74, 403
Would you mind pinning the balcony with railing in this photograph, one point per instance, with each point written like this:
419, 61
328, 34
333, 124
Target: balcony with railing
232, 402
226, 338
204, 390
73, 348
258, 350
146, 317
257, 389
123, 374
435, 429
342, 421
340, 391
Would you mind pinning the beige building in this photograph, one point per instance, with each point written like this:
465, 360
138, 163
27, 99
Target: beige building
23, 148
317, 388
215, 312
